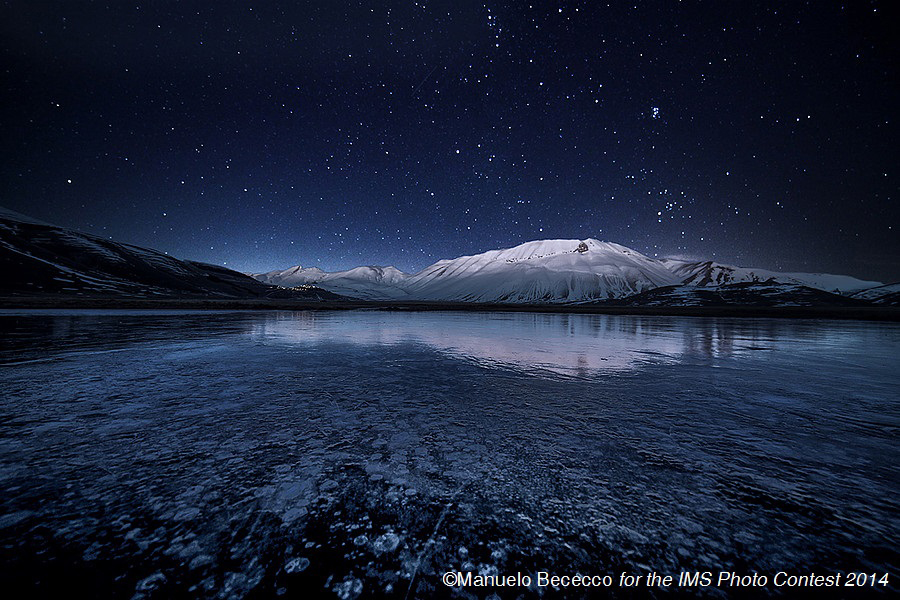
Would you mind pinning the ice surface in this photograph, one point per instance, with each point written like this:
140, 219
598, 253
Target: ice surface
365, 453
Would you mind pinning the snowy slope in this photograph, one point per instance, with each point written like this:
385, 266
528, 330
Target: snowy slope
369, 283
888, 295
39, 259
541, 271
709, 273
558, 271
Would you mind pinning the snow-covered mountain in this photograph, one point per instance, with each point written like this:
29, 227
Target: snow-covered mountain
887, 295
709, 273
550, 271
368, 283
40, 259
541, 271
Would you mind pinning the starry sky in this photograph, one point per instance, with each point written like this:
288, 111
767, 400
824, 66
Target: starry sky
263, 135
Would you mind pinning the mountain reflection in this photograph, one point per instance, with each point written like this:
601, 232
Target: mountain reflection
561, 344
537, 343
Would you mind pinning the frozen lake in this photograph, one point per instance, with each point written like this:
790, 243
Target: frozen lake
365, 453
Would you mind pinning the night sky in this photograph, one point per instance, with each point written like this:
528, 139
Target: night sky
334, 134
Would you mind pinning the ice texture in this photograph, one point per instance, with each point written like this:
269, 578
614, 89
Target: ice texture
364, 453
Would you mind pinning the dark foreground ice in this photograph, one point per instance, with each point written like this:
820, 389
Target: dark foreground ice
364, 454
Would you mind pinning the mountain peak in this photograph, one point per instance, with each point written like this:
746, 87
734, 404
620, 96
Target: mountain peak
555, 270
710, 273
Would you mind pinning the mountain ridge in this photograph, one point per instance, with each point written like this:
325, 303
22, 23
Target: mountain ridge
550, 271
711, 273
41, 259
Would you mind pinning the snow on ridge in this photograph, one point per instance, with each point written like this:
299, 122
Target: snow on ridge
711, 273
546, 271
541, 271
538, 271
826, 281
882, 294
366, 282
304, 275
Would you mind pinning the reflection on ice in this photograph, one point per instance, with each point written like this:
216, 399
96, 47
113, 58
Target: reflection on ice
551, 343
563, 344
363, 453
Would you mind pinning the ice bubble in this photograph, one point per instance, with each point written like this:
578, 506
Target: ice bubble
293, 514
401, 438
148, 584
349, 588
93, 551
14, 518
201, 560
190, 550
265, 491
291, 491
234, 584
387, 542
296, 565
